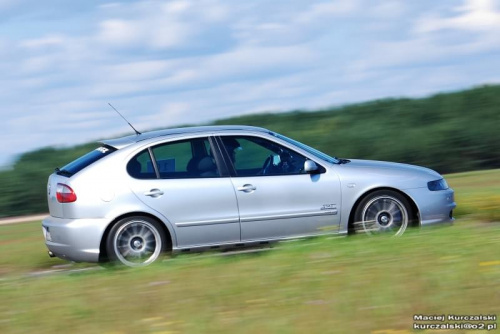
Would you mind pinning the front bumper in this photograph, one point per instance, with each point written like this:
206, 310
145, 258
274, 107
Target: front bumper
74, 239
434, 206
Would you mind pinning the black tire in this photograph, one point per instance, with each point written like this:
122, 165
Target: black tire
136, 241
383, 211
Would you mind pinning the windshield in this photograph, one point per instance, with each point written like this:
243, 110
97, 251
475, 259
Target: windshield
308, 149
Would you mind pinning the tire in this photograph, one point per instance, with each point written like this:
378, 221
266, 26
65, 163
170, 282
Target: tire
136, 241
383, 211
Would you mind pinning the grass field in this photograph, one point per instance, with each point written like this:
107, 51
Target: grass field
477, 194
324, 285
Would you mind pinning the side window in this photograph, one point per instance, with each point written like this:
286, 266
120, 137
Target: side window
254, 156
172, 157
141, 167
185, 159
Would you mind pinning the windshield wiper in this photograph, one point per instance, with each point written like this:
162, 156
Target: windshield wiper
343, 161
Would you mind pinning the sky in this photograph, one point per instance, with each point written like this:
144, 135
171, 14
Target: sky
168, 63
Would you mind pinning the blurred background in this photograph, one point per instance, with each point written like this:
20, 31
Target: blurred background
413, 82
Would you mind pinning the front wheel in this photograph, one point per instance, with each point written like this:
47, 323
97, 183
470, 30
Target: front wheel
135, 241
383, 211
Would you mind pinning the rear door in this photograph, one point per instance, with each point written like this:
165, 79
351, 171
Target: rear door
276, 198
184, 181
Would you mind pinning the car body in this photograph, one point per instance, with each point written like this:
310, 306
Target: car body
213, 187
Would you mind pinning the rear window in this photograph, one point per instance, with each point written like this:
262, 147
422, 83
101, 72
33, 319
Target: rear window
85, 160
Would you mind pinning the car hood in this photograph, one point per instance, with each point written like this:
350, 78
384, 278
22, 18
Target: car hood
389, 170
392, 166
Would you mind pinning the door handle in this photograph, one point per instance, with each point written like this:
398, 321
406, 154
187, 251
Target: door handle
154, 193
247, 188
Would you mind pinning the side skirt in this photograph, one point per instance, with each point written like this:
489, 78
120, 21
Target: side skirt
248, 243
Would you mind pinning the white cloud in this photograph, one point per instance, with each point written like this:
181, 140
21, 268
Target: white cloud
177, 6
138, 70
161, 24
37, 64
252, 60
170, 114
329, 9
389, 8
169, 34
46, 41
110, 5
119, 32
437, 36
157, 33
473, 15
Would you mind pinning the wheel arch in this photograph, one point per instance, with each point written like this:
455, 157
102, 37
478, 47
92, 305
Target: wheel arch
416, 213
103, 256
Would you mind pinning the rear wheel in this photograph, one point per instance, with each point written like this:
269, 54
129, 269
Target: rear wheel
383, 211
136, 241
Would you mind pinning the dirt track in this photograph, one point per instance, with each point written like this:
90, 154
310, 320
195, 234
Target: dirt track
22, 219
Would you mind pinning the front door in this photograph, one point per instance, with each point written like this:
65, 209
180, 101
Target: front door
276, 198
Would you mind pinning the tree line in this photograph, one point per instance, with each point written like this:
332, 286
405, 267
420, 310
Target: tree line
449, 132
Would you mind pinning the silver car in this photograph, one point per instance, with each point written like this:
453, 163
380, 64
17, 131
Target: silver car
214, 187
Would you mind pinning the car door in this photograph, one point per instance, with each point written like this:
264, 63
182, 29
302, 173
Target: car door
183, 181
276, 197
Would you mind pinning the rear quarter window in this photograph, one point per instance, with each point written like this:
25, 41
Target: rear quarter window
141, 166
85, 160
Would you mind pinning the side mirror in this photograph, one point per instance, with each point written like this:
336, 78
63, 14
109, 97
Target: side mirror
310, 167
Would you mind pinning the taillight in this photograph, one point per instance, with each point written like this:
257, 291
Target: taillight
65, 194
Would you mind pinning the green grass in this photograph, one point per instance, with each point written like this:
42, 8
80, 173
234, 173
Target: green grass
477, 194
23, 250
324, 285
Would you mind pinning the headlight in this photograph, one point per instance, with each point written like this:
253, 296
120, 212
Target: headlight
437, 185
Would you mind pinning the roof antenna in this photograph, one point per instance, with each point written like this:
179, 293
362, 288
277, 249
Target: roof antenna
136, 132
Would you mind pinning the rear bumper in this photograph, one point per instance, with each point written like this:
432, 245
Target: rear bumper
74, 239
435, 207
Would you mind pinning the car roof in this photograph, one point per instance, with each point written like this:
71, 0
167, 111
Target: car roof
132, 139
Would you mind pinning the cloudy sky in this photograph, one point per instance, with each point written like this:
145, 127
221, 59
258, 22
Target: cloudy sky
165, 63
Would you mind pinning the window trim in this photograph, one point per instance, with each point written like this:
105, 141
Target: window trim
222, 166
153, 162
225, 156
